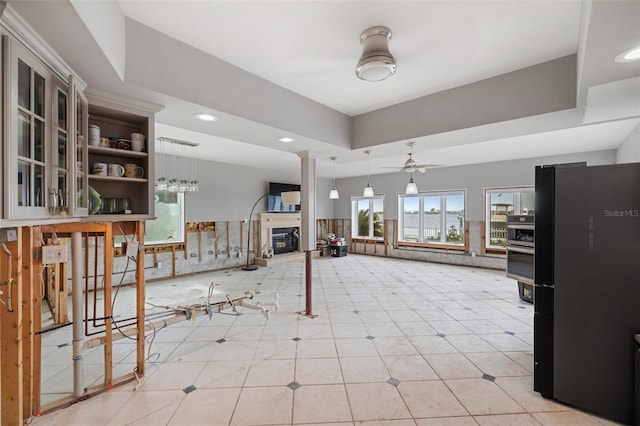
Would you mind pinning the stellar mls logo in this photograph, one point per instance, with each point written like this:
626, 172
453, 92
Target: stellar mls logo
622, 213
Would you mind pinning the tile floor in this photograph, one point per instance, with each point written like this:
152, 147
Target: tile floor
395, 343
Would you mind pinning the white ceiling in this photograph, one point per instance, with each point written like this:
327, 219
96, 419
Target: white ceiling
277, 53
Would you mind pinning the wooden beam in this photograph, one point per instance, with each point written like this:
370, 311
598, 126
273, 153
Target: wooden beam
37, 319
28, 302
12, 404
140, 298
62, 228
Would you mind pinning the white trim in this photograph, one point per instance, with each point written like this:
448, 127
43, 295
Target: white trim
20, 29
101, 97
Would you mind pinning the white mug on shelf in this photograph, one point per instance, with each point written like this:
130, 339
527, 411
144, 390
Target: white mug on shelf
115, 170
94, 135
137, 142
100, 169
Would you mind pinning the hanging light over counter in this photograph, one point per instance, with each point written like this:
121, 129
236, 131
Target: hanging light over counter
177, 170
368, 190
333, 194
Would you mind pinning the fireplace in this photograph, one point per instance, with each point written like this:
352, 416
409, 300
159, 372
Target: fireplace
284, 240
276, 231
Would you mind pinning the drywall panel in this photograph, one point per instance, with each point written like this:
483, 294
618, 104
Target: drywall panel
629, 150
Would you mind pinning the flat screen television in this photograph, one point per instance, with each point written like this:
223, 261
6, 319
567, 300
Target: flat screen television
275, 199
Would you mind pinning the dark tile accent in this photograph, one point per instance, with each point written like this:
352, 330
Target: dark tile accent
220, 341
62, 345
189, 389
356, 312
441, 335
521, 307
489, 377
296, 339
393, 382
294, 385
370, 337
510, 333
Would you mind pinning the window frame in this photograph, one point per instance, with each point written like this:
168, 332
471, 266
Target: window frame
354, 217
421, 241
180, 222
487, 210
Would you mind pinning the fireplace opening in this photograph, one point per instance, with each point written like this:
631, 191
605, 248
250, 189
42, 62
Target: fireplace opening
284, 240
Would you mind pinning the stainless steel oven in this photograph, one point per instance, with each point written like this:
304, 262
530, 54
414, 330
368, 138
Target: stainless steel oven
520, 248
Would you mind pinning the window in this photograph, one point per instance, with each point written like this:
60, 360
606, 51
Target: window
368, 216
501, 202
168, 227
434, 217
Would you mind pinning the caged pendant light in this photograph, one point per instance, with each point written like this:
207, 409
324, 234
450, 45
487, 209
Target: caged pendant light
333, 194
368, 190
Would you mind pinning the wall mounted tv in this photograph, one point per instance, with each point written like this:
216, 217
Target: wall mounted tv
275, 199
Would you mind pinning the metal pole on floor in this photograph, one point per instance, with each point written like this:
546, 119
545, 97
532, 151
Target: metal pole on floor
308, 276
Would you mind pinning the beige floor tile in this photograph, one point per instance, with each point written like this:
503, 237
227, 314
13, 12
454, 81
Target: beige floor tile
313, 331
449, 327
376, 401
193, 351
480, 396
413, 328
275, 349
145, 406
346, 330
405, 422
265, 405
496, 364
192, 410
466, 343
432, 345
430, 399
521, 389
523, 359
316, 371
271, 372
409, 368
223, 374
364, 370
207, 334
447, 421
321, 404
243, 332
316, 348
453, 366
394, 346
569, 418
506, 342
279, 332
174, 376
379, 329
507, 420
96, 411
234, 350
355, 347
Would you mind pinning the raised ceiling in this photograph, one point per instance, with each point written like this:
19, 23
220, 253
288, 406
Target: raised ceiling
495, 80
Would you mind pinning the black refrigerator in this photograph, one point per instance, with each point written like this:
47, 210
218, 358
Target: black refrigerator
587, 294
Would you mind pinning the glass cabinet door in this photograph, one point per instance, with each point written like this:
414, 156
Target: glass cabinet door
61, 156
79, 131
29, 123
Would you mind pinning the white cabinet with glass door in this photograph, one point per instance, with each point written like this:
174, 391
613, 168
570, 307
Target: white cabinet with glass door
42, 138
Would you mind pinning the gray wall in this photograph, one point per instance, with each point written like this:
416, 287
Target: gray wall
629, 150
227, 192
472, 178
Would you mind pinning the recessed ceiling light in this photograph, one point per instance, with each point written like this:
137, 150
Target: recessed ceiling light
286, 139
630, 55
205, 117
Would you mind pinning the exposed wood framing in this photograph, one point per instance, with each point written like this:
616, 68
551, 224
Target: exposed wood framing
11, 316
36, 262
108, 268
28, 302
140, 300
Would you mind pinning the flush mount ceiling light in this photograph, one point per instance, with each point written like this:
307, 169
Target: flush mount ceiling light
368, 190
630, 55
333, 194
286, 139
203, 116
376, 62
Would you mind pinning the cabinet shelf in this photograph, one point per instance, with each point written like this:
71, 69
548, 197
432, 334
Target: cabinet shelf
125, 153
117, 179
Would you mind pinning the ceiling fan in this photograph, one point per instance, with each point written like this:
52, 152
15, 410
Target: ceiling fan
410, 165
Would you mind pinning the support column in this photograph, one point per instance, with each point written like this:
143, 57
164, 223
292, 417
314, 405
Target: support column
140, 297
308, 216
77, 257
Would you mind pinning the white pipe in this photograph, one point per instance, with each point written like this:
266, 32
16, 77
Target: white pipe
77, 308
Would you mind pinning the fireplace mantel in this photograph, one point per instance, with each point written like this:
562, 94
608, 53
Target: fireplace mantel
270, 221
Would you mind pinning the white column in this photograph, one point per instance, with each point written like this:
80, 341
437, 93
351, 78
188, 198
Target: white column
308, 200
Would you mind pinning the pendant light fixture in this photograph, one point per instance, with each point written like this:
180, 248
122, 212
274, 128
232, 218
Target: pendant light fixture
368, 190
333, 194
412, 188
